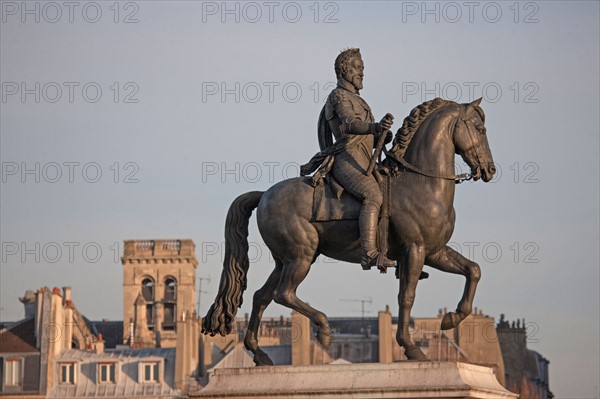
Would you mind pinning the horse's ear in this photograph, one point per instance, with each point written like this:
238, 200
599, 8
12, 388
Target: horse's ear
476, 102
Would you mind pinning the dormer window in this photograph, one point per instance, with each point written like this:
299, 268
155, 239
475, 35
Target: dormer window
67, 373
13, 371
107, 373
150, 372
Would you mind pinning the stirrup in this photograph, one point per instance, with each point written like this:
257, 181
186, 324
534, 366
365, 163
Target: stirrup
379, 260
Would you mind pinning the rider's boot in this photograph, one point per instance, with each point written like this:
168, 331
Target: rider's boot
367, 221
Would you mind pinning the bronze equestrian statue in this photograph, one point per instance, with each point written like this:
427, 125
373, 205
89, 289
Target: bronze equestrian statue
421, 221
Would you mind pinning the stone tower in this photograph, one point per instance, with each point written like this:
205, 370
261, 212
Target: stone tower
158, 287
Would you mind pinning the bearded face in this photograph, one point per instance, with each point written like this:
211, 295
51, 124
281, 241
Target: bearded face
355, 72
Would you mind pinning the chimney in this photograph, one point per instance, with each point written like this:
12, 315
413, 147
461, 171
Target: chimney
300, 336
186, 350
205, 354
385, 336
67, 293
99, 345
29, 301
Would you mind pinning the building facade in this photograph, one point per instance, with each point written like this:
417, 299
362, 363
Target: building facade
526, 371
29, 347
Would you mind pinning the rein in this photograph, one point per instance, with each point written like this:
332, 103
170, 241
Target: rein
408, 166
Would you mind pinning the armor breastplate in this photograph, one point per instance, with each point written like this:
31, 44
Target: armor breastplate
352, 107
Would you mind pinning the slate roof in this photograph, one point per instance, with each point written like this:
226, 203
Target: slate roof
18, 337
112, 332
127, 385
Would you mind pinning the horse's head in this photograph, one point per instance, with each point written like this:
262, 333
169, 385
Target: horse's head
471, 142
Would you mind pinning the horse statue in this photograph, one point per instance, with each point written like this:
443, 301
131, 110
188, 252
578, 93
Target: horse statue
421, 222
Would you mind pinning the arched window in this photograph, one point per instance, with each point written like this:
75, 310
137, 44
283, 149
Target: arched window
170, 289
148, 289
148, 295
170, 304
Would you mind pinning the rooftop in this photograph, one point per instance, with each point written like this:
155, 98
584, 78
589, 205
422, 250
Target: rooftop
128, 384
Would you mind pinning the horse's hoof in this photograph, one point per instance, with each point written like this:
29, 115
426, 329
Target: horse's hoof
423, 276
450, 320
324, 338
262, 359
414, 353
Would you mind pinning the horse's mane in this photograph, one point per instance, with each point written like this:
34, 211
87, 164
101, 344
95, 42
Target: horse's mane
412, 122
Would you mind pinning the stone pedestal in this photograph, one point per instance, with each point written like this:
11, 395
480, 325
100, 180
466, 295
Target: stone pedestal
367, 380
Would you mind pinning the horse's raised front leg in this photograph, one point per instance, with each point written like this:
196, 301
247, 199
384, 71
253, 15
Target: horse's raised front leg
262, 299
410, 270
450, 261
292, 275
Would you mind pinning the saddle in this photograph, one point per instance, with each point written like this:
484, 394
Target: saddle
332, 202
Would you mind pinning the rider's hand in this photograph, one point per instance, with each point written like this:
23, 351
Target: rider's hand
386, 122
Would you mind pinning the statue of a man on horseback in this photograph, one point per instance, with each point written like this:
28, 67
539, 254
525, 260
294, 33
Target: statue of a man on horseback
349, 118
419, 209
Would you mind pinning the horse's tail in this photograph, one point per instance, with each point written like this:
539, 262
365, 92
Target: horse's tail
220, 316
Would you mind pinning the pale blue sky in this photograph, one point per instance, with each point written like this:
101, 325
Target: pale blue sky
544, 125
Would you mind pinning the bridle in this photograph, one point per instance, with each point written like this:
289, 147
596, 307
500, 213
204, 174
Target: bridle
412, 168
407, 166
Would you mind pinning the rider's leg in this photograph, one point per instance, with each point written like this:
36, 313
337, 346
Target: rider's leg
367, 221
366, 189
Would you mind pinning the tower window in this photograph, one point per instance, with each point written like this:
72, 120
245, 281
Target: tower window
148, 295
148, 290
150, 316
170, 304
170, 289
170, 318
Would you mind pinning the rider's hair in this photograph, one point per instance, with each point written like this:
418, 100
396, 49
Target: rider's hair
343, 60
